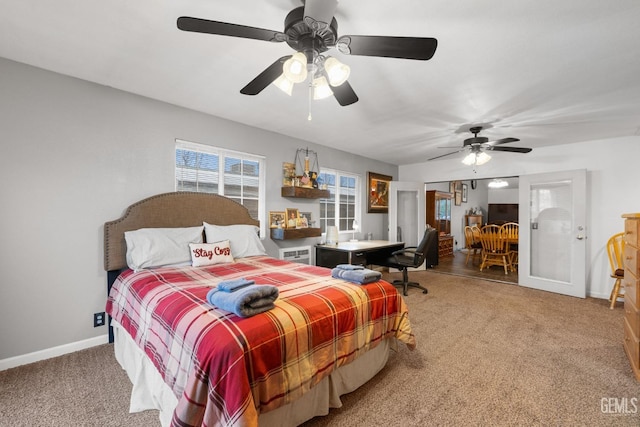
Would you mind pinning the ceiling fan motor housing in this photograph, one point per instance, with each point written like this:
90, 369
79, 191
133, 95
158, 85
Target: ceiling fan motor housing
302, 38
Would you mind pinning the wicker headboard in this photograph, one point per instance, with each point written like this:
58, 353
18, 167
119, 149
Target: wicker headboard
179, 209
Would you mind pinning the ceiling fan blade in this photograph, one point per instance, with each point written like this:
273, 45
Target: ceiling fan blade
421, 48
321, 13
511, 149
445, 155
500, 141
198, 25
265, 78
344, 94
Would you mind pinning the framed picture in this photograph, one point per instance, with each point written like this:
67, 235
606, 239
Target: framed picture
301, 222
455, 186
464, 193
292, 218
378, 199
276, 219
307, 216
458, 198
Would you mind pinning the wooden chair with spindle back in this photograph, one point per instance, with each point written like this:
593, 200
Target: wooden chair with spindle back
615, 250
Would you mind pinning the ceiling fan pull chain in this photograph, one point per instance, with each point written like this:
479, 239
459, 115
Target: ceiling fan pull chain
310, 97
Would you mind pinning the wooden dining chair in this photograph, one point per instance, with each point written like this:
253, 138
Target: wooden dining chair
472, 243
615, 249
510, 231
495, 250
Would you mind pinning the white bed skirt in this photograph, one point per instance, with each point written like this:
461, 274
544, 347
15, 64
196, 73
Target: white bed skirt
150, 392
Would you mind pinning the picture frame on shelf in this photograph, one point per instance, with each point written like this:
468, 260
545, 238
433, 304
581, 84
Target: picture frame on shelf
307, 216
302, 222
276, 219
378, 189
465, 190
292, 217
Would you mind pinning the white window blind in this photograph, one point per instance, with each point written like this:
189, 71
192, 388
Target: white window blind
238, 176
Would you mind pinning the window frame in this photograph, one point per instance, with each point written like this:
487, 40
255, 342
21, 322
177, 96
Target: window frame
336, 202
223, 154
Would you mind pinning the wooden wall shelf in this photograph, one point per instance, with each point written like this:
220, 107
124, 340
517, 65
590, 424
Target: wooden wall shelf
305, 193
294, 233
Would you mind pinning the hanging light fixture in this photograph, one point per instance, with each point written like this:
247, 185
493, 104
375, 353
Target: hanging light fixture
498, 183
476, 158
337, 71
284, 84
321, 89
295, 68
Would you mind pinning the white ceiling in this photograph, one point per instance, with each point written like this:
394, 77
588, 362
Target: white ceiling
545, 71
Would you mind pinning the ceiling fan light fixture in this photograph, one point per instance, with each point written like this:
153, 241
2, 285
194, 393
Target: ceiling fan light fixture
321, 89
284, 84
482, 158
337, 71
295, 68
469, 159
498, 183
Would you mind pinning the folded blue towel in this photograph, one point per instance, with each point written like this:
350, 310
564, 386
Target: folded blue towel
234, 285
245, 302
349, 267
361, 276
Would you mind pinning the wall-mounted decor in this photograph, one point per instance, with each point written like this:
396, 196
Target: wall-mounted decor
276, 219
455, 186
458, 198
292, 217
378, 199
464, 193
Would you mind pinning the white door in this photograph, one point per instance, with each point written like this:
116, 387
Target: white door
552, 238
406, 212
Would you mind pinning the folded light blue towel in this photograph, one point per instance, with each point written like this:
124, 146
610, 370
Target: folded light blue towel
234, 285
245, 302
349, 267
360, 276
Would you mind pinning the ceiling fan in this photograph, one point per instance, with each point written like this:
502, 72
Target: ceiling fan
311, 30
479, 145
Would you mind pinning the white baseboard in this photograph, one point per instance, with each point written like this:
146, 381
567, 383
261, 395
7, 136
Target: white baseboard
48, 353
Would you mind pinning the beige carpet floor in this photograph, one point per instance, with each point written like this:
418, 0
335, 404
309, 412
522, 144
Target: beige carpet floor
488, 354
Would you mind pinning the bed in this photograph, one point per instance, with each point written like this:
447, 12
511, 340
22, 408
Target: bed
202, 365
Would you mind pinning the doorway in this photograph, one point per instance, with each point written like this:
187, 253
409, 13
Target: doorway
494, 205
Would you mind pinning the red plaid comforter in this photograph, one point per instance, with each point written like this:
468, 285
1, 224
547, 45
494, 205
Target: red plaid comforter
225, 369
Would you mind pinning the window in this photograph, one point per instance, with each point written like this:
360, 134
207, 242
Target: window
341, 208
238, 176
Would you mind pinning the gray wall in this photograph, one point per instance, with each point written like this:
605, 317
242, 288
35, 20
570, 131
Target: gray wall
75, 155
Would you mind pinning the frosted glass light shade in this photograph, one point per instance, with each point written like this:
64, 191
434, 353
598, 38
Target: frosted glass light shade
469, 159
337, 71
482, 158
284, 84
321, 89
295, 68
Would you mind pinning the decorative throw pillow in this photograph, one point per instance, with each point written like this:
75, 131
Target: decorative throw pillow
210, 253
160, 247
244, 239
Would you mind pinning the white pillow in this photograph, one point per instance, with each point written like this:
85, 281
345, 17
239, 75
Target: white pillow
160, 247
210, 253
244, 238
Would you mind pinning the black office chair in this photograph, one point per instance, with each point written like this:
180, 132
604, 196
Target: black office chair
412, 257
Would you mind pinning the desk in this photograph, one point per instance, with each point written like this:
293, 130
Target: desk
358, 253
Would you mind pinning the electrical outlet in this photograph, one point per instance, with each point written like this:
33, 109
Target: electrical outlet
98, 319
